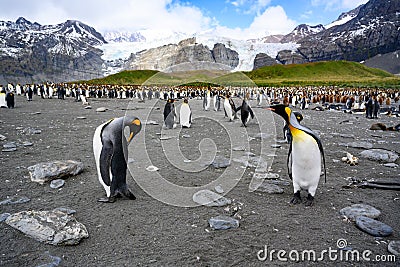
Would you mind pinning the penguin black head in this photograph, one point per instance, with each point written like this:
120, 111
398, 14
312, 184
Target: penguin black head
134, 125
298, 115
185, 100
282, 110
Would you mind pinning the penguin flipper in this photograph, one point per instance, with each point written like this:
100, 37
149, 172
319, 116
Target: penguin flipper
237, 109
251, 112
289, 162
105, 163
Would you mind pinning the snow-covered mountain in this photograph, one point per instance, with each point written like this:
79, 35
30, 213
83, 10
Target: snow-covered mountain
301, 31
123, 36
30, 51
345, 17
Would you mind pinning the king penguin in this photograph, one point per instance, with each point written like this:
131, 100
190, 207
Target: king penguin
185, 114
110, 149
207, 100
169, 114
304, 159
229, 111
245, 111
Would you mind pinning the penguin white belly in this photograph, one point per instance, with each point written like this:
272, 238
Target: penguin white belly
215, 103
184, 115
97, 147
208, 101
228, 110
3, 100
306, 164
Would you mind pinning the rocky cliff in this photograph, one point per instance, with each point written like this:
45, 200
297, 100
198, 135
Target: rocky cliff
186, 51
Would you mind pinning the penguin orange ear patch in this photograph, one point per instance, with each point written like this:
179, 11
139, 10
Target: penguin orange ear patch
136, 122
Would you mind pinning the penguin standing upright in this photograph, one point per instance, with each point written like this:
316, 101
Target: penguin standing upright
185, 114
207, 100
245, 111
169, 114
217, 102
110, 149
10, 100
304, 159
229, 110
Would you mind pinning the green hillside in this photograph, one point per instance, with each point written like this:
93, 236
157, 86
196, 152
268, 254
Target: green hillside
340, 73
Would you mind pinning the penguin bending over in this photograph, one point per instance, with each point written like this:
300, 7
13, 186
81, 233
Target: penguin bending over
304, 159
110, 149
245, 111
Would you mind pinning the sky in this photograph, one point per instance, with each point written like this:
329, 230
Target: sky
238, 19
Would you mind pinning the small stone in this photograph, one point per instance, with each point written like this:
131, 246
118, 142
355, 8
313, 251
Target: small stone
270, 188
81, 118
239, 148
219, 189
26, 143
211, 199
275, 146
222, 222
4, 216
150, 122
186, 136
65, 210
357, 144
391, 165
220, 162
360, 210
2, 137
88, 107
373, 227
101, 109
279, 182
166, 137
55, 184
9, 149
381, 155
15, 200
394, 247
9, 145
152, 168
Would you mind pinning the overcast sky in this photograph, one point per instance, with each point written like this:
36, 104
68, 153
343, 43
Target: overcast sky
239, 19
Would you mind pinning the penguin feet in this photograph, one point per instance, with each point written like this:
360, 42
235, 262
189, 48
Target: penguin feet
309, 201
296, 198
129, 194
106, 199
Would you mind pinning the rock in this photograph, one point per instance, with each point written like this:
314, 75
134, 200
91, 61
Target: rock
391, 165
262, 60
373, 227
81, 118
10, 145
152, 168
394, 247
55, 261
378, 126
269, 188
26, 143
166, 137
222, 222
219, 189
9, 149
360, 210
88, 107
357, 144
52, 227
220, 162
2, 137
239, 148
4, 216
150, 122
279, 182
211, 199
15, 200
65, 210
47, 171
186, 136
275, 146
381, 155
268, 175
31, 131
57, 183
101, 109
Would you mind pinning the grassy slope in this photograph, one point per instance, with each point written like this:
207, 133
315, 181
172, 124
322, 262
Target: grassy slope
340, 73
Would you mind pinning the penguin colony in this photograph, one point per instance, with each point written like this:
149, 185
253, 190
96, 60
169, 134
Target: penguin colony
304, 157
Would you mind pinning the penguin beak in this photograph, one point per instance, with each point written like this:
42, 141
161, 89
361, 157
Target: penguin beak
130, 137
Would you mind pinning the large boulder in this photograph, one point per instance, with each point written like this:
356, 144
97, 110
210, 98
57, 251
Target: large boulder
55, 227
47, 171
